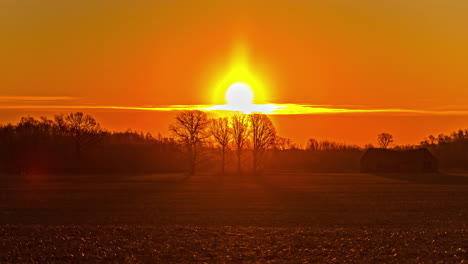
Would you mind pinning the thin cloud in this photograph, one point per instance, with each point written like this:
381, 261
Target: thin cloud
272, 109
97, 107
305, 109
35, 98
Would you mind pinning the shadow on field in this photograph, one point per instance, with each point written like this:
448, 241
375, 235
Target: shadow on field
426, 178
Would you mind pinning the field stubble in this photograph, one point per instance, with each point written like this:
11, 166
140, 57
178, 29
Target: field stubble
279, 218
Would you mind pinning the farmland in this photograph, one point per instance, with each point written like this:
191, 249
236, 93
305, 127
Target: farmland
168, 218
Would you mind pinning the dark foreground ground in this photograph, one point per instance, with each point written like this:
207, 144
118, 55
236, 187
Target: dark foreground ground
295, 218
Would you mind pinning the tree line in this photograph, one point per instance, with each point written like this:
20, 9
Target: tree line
451, 149
240, 143
76, 143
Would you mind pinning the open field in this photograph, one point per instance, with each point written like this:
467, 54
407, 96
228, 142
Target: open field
280, 218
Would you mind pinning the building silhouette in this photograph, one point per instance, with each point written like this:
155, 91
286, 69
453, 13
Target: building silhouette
386, 160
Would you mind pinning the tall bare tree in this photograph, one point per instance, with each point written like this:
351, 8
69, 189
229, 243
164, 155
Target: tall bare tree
384, 140
221, 132
263, 136
240, 134
190, 128
83, 129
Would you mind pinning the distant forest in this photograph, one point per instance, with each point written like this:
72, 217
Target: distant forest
76, 143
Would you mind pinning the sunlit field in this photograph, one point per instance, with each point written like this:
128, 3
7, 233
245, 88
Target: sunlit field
333, 218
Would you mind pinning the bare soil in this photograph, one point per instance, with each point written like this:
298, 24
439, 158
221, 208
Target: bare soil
275, 218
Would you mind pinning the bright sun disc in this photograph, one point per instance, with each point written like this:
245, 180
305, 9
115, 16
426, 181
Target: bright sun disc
239, 94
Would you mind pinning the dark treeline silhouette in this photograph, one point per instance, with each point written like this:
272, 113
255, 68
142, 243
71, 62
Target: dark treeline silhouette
451, 150
76, 143
317, 156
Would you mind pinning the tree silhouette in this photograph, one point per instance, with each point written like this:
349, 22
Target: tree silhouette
384, 140
263, 135
368, 146
240, 134
83, 129
312, 144
41, 145
221, 131
282, 143
190, 129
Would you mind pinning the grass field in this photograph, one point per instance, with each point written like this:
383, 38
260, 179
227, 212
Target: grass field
277, 218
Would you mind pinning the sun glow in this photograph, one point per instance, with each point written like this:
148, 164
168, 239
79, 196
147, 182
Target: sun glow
240, 71
241, 87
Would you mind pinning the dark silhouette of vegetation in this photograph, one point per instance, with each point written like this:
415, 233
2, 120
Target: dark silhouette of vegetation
221, 132
263, 136
83, 129
282, 143
451, 150
76, 143
384, 140
50, 146
190, 129
240, 134
317, 156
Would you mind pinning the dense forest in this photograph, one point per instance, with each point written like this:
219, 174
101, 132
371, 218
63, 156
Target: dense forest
76, 143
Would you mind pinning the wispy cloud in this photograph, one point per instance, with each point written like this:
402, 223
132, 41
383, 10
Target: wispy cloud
273, 109
303, 109
4, 99
97, 107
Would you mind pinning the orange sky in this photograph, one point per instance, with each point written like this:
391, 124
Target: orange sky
366, 54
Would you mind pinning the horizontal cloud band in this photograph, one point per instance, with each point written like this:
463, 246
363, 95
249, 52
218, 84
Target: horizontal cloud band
273, 109
35, 98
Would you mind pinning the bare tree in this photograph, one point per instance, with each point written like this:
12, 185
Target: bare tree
282, 143
190, 128
368, 146
240, 134
221, 131
312, 144
263, 136
384, 140
83, 129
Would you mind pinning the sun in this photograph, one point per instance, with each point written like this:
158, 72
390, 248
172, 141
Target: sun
239, 94
240, 98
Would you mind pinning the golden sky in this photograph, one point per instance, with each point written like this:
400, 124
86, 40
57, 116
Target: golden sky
367, 54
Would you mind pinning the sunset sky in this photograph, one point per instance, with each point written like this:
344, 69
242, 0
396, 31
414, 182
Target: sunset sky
391, 66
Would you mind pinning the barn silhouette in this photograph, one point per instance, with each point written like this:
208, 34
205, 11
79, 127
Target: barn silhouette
386, 160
